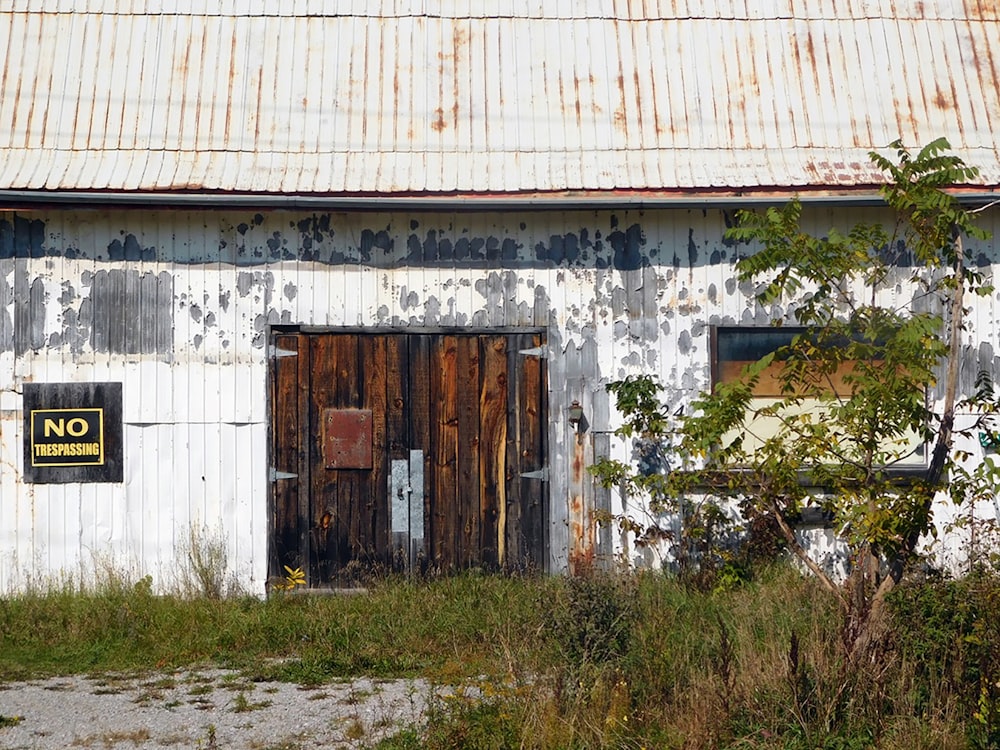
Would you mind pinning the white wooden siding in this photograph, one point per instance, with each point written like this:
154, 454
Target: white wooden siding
194, 387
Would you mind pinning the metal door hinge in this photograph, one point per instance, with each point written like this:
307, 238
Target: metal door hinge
273, 475
542, 352
275, 352
542, 473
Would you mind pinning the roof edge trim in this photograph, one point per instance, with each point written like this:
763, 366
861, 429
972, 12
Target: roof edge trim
868, 196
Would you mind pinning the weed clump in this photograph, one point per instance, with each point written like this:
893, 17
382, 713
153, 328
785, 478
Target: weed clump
947, 635
592, 617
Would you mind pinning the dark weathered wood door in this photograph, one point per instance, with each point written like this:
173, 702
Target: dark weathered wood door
406, 451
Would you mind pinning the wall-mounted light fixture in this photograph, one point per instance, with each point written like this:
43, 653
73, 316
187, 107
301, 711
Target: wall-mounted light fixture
575, 415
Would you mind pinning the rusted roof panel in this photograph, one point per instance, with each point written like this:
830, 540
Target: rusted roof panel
455, 96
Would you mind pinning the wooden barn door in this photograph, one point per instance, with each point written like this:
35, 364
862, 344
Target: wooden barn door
407, 452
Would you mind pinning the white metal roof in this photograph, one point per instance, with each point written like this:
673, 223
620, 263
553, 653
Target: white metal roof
487, 96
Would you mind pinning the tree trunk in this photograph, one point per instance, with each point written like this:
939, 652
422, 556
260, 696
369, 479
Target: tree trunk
866, 622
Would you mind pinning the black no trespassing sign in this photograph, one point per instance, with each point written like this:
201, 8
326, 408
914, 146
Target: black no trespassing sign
72, 432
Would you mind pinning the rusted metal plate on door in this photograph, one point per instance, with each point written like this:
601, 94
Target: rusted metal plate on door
347, 438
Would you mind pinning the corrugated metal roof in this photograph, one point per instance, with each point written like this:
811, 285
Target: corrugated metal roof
508, 96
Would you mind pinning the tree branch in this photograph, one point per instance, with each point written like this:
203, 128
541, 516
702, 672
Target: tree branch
797, 548
942, 446
983, 208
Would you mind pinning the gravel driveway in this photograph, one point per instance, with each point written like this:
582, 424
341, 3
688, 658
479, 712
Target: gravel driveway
206, 709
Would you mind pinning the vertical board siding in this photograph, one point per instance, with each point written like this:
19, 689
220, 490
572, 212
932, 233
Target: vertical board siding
378, 370
284, 451
444, 439
532, 433
179, 305
492, 449
420, 416
471, 446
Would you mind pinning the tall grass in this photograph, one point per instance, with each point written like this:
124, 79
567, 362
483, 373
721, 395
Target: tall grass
399, 628
598, 661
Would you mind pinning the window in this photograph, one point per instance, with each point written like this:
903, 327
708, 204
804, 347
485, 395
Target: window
733, 348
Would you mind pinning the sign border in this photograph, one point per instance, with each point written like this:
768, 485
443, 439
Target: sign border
101, 438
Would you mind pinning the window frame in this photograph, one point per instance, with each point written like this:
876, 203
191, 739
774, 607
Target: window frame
904, 471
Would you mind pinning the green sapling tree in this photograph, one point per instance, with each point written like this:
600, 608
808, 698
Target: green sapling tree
863, 381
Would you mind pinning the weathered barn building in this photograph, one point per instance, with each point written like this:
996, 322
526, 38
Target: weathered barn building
320, 280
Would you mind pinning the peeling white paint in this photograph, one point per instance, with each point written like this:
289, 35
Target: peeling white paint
180, 315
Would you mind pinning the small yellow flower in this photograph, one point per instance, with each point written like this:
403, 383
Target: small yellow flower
296, 577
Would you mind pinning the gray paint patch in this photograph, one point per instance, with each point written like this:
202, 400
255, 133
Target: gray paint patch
627, 247
408, 299
684, 342
729, 218
562, 249
22, 238
261, 322
37, 301
21, 318
619, 301
6, 239
722, 320
974, 361
694, 378
644, 330
274, 243
75, 333
375, 243
432, 311
129, 312
748, 289
542, 310
244, 280
632, 360
499, 290
6, 298
29, 310
313, 230
130, 249
692, 249
266, 281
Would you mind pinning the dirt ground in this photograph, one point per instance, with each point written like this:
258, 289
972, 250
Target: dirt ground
209, 708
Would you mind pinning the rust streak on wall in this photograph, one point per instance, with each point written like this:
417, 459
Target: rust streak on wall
581, 525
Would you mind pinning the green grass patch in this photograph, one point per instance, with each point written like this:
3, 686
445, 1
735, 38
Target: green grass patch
598, 661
